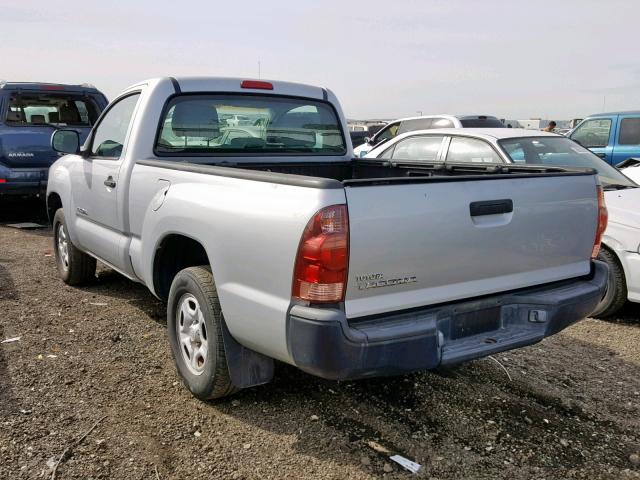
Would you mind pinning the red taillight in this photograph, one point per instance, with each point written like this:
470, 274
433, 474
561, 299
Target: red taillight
256, 84
603, 218
3, 180
320, 272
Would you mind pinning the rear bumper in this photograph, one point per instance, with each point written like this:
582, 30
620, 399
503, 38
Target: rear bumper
324, 343
631, 263
23, 181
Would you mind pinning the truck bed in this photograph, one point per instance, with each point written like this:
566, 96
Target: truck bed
429, 233
356, 172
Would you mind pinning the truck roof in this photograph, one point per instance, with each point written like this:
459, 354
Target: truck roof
84, 87
233, 84
608, 114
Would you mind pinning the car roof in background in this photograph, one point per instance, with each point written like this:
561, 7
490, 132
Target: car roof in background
444, 115
40, 86
608, 114
486, 133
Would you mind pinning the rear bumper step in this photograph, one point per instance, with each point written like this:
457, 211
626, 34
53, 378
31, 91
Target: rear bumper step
324, 343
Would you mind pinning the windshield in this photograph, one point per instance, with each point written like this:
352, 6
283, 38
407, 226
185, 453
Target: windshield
39, 108
561, 152
249, 125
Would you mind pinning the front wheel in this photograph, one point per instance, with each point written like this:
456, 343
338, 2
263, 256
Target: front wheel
74, 266
616, 294
195, 332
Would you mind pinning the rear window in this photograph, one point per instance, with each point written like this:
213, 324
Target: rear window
249, 125
481, 122
58, 109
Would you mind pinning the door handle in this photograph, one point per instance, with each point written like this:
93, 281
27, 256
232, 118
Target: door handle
110, 182
601, 155
490, 207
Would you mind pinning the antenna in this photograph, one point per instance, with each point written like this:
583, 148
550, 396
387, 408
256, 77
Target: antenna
258, 68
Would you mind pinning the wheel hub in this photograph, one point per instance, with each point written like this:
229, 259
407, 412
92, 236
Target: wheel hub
63, 247
192, 334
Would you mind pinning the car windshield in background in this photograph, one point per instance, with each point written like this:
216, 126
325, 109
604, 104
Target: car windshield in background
51, 109
562, 152
249, 124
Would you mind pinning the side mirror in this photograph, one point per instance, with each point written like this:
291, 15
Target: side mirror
367, 139
65, 141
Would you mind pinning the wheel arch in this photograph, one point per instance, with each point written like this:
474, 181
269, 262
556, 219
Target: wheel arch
54, 202
175, 252
609, 245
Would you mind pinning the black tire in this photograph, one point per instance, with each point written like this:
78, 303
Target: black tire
209, 377
76, 267
616, 295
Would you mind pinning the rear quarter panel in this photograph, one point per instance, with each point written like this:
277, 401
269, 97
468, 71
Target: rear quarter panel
250, 231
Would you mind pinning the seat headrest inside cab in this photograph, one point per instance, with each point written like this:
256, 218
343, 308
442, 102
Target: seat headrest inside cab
195, 118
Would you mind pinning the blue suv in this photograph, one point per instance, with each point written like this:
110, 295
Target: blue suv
614, 137
29, 114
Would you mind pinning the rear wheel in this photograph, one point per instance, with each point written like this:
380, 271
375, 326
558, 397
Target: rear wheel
74, 266
195, 332
616, 294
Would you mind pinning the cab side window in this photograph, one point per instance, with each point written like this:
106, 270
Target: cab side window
471, 150
629, 131
593, 133
110, 134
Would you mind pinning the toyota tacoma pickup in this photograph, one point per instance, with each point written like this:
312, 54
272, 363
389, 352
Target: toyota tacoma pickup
29, 114
269, 241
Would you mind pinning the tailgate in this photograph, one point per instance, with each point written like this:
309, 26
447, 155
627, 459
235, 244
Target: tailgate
426, 243
30, 147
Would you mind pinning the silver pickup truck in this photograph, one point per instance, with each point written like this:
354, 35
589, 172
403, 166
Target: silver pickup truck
240, 204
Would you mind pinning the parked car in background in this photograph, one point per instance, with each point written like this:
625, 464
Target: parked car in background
631, 168
403, 125
614, 137
358, 137
496, 147
29, 114
286, 247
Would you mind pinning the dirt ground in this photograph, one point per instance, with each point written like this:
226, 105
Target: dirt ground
570, 409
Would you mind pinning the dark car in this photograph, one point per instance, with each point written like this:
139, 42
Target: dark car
29, 114
358, 138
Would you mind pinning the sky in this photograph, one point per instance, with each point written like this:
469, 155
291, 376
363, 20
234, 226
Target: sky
513, 59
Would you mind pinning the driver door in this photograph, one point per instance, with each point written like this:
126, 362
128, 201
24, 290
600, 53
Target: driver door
597, 134
99, 220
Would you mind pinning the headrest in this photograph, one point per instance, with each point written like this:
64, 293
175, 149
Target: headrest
194, 118
38, 119
54, 117
69, 114
16, 116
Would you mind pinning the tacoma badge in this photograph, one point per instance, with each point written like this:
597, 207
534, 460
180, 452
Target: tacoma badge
377, 280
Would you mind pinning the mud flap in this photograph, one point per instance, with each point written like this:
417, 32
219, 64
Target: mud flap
247, 368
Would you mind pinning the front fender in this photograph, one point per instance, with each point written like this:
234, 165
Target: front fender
60, 183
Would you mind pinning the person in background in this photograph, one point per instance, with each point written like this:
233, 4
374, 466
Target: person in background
551, 127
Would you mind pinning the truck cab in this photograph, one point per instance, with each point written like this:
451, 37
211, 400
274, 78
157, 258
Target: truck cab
29, 114
614, 137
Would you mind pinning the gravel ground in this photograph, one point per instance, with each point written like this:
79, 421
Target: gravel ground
570, 409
